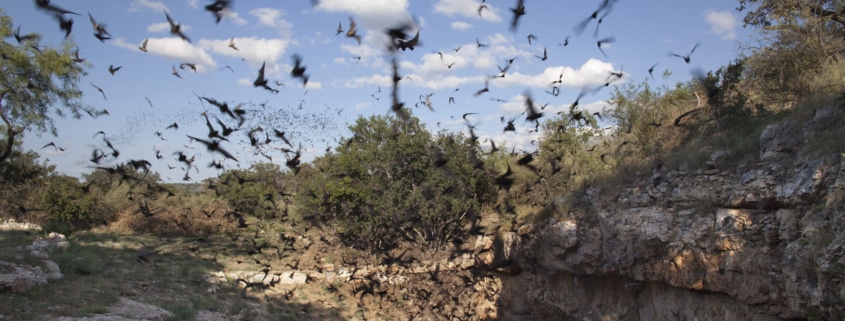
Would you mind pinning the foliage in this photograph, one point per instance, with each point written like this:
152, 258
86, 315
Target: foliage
65, 201
798, 40
20, 176
38, 82
256, 191
394, 180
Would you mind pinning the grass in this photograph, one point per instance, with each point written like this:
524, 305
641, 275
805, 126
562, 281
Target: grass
100, 267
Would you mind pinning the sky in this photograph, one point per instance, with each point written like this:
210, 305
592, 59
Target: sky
348, 79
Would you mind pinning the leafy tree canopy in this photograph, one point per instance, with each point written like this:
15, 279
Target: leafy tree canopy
38, 83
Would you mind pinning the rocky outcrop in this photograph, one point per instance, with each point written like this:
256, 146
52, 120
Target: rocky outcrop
763, 241
19, 278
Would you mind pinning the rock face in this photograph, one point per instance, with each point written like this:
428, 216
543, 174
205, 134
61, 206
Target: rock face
763, 241
18, 278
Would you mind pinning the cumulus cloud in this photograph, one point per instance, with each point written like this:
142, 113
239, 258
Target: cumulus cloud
372, 16
138, 5
234, 17
592, 73
253, 50
468, 9
380, 80
159, 27
174, 49
460, 25
722, 23
271, 17
364, 105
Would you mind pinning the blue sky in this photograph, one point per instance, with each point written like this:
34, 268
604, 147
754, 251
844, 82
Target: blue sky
341, 85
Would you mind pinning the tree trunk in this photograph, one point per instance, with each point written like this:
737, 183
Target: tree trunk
10, 132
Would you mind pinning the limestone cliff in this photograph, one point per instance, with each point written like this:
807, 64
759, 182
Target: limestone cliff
761, 240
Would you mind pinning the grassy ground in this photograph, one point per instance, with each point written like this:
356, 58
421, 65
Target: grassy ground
100, 267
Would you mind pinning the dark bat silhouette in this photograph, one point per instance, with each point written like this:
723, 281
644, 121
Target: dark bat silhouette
99, 29
176, 28
100, 90
261, 81
46, 6
687, 57
298, 70
113, 69
518, 12
218, 9
607, 40
64, 24
651, 70
214, 146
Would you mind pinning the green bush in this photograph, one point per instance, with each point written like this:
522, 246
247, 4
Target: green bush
256, 191
392, 181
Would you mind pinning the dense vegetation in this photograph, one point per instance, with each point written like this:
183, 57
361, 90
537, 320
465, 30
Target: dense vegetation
393, 181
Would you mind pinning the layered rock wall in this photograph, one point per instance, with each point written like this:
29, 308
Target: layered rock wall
758, 241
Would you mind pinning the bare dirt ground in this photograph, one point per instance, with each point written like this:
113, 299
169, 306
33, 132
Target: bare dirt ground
274, 272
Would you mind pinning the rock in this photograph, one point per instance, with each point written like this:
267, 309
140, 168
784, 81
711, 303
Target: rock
12, 225
135, 309
760, 242
127, 310
779, 141
17, 278
54, 272
293, 278
205, 315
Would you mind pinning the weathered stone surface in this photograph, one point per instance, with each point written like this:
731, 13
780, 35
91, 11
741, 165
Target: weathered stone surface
135, 309
293, 278
127, 310
763, 242
18, 278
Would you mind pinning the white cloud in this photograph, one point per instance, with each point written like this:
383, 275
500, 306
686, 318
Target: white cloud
381, 80
164, 27
468, 9
159, 27
592, 73
273, 18
370, 55
372, 16
722, 23
253, 50
234, 17
460, 25
364, 105
174, 49
194, 3
138, 5
314, 85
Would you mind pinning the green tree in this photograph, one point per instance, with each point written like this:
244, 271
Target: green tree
393, 180
256, 191
798, 41
66, 202
20, 177
37, 82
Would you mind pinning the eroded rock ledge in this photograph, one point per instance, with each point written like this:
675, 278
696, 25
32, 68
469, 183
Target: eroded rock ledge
763, 241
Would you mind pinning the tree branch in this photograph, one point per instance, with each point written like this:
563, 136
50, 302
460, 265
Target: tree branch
10, 131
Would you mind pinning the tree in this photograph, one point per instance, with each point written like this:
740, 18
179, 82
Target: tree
800, 43
776, 13
38, 82
393, 180
256, 191
20, 177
